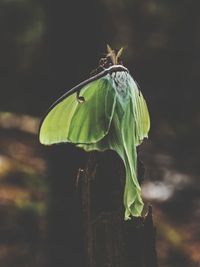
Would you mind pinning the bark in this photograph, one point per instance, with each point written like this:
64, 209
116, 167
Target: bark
109, 240
86, 226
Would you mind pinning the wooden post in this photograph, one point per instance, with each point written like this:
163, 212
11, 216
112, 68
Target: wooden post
109, 240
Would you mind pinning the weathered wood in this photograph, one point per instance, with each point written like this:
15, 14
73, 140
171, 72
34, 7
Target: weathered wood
86, 214
109, 240
64, 234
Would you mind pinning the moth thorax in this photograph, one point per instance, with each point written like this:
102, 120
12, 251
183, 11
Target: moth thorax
121, 79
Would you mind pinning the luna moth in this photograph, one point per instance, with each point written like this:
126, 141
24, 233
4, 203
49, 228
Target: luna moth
105, 112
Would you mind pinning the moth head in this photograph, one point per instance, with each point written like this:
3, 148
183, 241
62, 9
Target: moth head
114, 55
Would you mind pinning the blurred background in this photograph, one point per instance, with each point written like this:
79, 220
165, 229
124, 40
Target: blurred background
47, 47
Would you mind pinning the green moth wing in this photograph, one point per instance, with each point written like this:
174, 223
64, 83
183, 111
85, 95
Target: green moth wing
113, 116
75, 122
130, 125
140, 113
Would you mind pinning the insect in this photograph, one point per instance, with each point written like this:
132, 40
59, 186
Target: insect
106, 111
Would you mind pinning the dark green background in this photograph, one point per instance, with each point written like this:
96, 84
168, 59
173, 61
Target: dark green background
47, 47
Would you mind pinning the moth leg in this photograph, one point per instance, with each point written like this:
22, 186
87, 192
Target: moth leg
102, 63
101, 66
97, 70
79, 98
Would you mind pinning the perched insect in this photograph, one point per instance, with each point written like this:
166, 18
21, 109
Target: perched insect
106, 111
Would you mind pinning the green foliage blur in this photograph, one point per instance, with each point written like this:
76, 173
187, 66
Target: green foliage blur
46, 47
